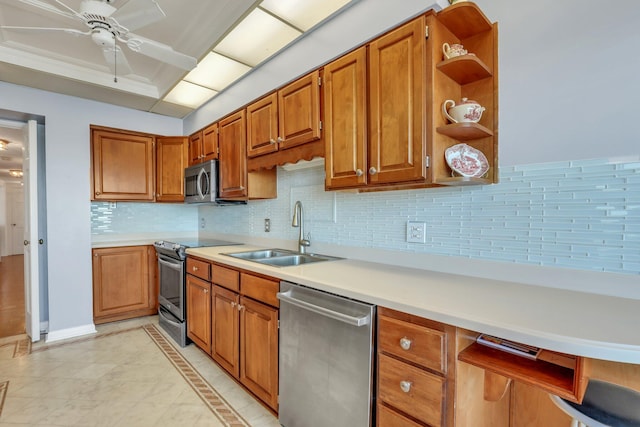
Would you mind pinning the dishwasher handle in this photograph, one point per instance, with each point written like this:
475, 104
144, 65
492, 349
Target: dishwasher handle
345, 318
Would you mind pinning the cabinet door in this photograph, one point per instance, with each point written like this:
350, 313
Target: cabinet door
262, 126
345, 103
123, 165
397, 138
199, 312
195, 148
171, 159
210, 142
259, 350
121, 283
299, 111
233, 156
224, 329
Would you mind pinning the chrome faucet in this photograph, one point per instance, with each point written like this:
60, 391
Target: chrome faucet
298, 221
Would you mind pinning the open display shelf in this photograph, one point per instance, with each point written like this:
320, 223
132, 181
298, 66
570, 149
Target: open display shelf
559, 374
473, 76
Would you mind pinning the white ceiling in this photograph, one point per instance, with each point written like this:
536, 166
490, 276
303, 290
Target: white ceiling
75, 65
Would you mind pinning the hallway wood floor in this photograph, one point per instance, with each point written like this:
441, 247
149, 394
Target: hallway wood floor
12, 296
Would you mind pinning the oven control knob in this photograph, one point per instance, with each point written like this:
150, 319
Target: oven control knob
176, 246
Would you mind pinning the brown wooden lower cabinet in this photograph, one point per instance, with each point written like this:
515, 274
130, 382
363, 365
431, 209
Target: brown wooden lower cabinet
124, 283
198, 304
225, 318
243, 334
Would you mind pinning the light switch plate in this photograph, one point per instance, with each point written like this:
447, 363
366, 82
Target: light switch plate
416, 232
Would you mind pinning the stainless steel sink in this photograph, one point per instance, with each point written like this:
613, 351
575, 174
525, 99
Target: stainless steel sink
260, 254
280, 257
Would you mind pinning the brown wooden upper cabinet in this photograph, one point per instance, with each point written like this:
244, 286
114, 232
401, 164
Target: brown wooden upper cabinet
171, 160
123, 165
136, 166
375, 134
203, 145
286, 118
233, 156
384, 125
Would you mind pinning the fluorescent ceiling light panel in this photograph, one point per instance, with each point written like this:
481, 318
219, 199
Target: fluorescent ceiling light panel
216, 72
306, 14
189, 95
256, 38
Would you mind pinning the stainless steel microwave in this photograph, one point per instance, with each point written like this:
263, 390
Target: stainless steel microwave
201, 184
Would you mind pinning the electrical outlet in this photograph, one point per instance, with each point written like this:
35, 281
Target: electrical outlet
416, 232
267, 225
203, 223
113, 205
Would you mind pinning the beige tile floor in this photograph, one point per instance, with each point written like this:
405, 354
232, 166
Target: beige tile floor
121, 376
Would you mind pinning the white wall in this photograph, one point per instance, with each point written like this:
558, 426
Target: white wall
568, 73
67, 176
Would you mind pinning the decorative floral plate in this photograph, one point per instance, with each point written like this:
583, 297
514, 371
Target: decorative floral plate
466, 161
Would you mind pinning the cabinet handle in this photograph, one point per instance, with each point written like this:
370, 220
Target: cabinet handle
195, 268
405, 386
373, 171
359, 172
273, 141
233, 304
206, 291
240, 307
280, 139
98, 193
405, 343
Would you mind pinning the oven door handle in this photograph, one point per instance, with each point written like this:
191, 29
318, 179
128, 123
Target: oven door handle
167, 262
161, 310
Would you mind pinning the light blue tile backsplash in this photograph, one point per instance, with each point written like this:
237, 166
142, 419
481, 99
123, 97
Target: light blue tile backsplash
137, 218
577, 214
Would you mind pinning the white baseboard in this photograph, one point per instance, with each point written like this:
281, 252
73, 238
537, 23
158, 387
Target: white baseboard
64, 334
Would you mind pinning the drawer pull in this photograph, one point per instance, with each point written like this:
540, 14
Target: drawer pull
405, 386
405, 343
195, 268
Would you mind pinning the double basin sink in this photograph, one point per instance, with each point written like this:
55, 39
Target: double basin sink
280, 257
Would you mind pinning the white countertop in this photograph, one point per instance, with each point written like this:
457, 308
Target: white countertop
569, 321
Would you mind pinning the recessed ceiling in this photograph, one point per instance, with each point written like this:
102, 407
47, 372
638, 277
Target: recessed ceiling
75, 64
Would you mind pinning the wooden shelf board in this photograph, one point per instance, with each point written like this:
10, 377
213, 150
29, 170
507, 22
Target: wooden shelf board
555, 379
462, 180
465, 131
464, 19
464, 69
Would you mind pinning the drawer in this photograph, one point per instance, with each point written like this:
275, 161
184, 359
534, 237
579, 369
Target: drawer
260, 288
199, 268
225, 277
423, 399
417, 344
387, 417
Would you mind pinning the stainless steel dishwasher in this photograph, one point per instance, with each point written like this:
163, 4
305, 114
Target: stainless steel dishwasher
326, 359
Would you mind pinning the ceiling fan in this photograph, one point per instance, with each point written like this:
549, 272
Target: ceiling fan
109, 25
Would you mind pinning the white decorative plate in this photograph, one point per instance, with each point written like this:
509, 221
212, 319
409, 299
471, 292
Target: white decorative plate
466, 161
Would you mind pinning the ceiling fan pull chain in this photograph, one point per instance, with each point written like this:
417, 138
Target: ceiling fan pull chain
115, 60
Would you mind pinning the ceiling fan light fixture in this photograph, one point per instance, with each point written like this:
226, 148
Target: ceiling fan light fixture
16, 173
3, 145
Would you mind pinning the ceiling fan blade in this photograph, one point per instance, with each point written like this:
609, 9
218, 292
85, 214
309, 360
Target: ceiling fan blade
49, 8
138, 13
117, 61
160, 52
66, 30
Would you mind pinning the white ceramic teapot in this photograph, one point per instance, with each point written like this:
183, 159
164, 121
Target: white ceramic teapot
466, 111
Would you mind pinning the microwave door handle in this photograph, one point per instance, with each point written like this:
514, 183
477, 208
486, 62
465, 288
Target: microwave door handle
207, 189
199, 183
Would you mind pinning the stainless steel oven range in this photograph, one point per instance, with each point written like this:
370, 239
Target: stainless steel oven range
172, 309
